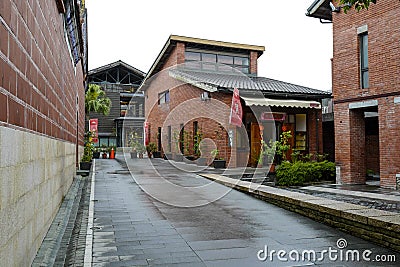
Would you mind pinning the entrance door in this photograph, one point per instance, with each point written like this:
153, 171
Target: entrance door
255, 144
159, 138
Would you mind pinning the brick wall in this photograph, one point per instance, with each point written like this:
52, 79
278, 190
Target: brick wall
383, 50
39, 87
39, 128
384, 84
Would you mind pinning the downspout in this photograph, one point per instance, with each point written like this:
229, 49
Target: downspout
317, 130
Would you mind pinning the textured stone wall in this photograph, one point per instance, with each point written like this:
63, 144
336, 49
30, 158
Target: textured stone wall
36, 172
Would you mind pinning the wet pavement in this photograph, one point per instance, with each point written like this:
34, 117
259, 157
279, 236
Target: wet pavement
164, 214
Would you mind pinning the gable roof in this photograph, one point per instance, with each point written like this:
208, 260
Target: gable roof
212, 81
117, 64
174, 39
320, 9
117, 72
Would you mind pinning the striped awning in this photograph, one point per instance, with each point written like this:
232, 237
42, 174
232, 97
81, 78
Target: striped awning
292, 103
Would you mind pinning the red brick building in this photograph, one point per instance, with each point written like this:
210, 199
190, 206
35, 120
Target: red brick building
188, 94
43, 63
366, 89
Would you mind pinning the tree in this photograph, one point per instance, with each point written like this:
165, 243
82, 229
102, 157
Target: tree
358, 4
96, 100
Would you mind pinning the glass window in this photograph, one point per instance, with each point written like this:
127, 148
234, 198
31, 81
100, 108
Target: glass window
222, 59
166, 96
112, 141
163, 97
141, 111
243, 69
364, 60
192, 56
301, 122
241, 61
206, 57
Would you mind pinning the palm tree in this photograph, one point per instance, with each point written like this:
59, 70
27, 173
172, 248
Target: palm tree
96, 100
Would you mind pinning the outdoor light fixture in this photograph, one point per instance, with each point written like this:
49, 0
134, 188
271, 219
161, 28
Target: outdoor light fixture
204, 96
333, 8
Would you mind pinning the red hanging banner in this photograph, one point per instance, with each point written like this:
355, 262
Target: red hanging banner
146, 133
93, 123
236, 109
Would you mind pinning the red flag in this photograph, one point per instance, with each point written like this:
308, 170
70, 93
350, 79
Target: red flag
236, 109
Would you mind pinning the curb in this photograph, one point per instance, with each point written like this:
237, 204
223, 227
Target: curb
377, 226
89, 232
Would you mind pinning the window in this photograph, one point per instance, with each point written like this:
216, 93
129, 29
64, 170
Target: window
163, 97
216, 62
364, 60
141, 111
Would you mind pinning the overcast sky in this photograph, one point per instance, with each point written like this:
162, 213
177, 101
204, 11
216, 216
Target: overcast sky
298, 49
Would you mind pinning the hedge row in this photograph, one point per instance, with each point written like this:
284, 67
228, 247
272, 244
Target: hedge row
299, 173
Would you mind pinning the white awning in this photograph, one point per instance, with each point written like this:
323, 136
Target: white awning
250, 101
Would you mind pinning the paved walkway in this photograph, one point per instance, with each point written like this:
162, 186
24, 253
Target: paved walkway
164, 214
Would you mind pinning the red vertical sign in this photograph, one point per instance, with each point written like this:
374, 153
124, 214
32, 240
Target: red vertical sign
236, 109
146, 133
93, 123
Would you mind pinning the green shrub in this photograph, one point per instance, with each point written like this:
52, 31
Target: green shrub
298, 173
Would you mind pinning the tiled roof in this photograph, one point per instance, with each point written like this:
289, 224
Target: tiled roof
246, 83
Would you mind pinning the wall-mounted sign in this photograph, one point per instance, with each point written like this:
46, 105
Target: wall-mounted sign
272, 116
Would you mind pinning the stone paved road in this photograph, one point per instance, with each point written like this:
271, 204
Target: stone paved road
132, 228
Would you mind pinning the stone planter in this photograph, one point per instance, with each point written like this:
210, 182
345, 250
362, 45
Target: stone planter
133, 155
85, 166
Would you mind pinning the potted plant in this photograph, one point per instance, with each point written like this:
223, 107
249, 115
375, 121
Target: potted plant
218, 162
140, 150
202, 153
104, 151
151, 148
134, 142
86, 161
96, 153
267, 154
283, 145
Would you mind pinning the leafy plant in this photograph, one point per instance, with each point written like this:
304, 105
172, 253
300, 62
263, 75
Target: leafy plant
88, 148
96, 100
283, 145
299, 173
151, 147
358, 4
134, 141
268, 150
215, 154
196, 142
